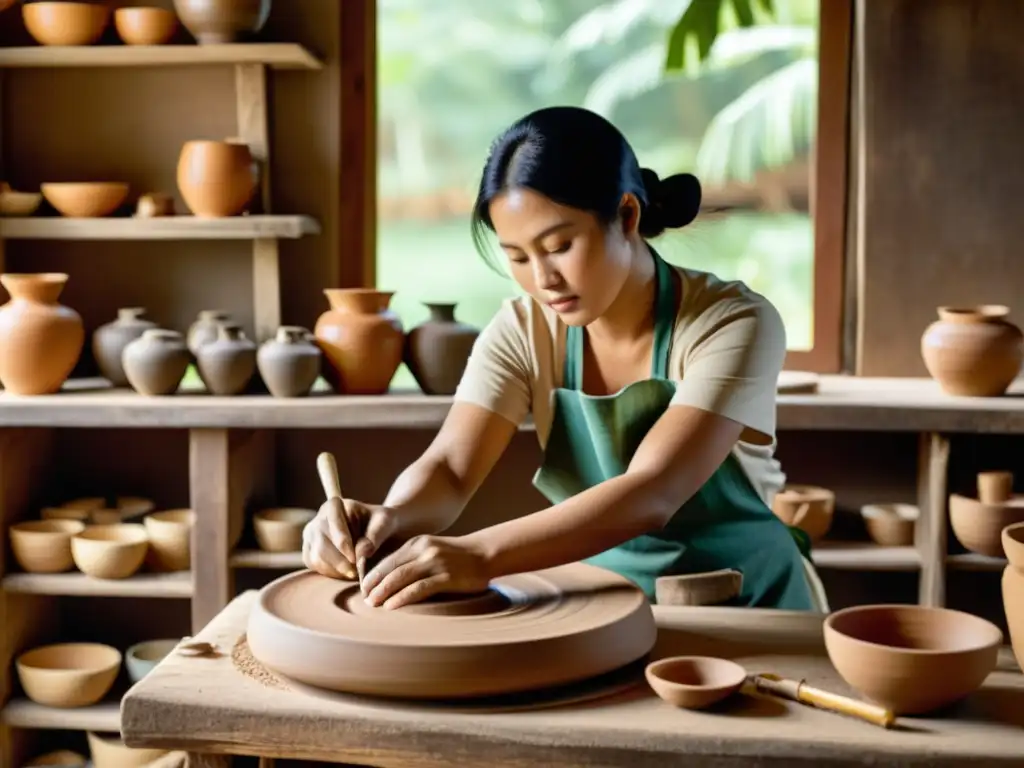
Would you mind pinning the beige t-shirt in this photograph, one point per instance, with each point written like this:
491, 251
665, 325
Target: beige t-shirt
728, 348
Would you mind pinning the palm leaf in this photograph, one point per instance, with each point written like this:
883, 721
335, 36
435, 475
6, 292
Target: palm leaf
702, 22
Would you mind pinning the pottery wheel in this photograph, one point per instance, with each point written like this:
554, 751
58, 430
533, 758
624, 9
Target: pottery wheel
528, 631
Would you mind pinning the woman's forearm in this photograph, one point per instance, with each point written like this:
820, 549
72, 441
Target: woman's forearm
427, 497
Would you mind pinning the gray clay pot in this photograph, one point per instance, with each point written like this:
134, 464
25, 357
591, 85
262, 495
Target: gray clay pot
109, 341
290, 362
227, 365
155, 363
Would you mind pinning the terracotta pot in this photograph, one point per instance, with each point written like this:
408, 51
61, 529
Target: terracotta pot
891, 525
222, 21
362, 340
437, 350
40, 339
973, 351
204, 329
216, 178
155, 363
109, 341
290, 362
978, 526
145, 26
226, 365
66, 23
806, 507
1013, 588
85, 199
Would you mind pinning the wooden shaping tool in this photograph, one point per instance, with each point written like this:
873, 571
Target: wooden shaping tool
327, 468
798, 690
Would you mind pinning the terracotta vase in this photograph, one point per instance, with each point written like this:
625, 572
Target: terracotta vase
973, 351
290, 362
222, 21
227, 364
216, 178
40, 339
1013, 588
109, 341
155, 363
204, 329
362, 340
437, 350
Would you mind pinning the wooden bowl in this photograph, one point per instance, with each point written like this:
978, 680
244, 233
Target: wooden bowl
110, 551
141, 658
910, 658
109, 751
44, 546
65, 23
68, 674
14, 203
891, 525
145, 26
86, 199
61, 758
807, 507
280, 529
694, 682
170, 539
979, 527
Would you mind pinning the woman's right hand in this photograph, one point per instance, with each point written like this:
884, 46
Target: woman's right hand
344, 535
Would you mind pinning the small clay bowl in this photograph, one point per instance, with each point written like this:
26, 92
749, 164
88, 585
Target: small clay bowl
64, 513
44, 546
19, 203
61, 758
109, 751
145, 26
110, 551
979, 527
134, 506
68, 674
910, 658
170, 539
280, 529
65, 23
141, 658
890, 525
106, 516
1013, 544
807, 507
87, 503
694, 682
87, 199
710, 588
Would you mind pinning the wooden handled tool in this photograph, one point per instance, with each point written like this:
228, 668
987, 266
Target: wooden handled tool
798, 690
327, 468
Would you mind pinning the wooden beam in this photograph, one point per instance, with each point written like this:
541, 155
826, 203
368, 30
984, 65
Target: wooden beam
930, 535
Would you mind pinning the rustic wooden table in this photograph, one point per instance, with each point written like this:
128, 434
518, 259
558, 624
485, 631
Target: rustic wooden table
210, 709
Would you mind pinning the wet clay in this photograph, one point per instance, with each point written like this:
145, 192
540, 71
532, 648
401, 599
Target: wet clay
527, 632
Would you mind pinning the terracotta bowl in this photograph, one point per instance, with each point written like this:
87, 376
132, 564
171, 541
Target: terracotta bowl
807, 507
979, 527
145, 26
44, 546
891, 525
68, 674
19, 203
280, 529
910, 658
87, 199
141, 658
110, 551
170, 539
65, 23
694, 682
109, 751
62, 758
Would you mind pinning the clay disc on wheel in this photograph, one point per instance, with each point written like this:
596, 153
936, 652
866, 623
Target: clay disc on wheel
528, 631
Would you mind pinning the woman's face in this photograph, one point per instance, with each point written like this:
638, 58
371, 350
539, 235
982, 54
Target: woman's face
562, 256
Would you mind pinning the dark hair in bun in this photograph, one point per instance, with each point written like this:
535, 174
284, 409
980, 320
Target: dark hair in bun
577, 158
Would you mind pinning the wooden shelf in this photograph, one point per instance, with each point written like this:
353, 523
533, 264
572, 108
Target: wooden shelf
973, 562
257, 558
865, 556
76, 583
25, 713
274, 55
159, 228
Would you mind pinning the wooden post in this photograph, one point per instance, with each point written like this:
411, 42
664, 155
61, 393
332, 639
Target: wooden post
930, 532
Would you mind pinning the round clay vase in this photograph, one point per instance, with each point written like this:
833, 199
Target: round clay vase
437, 350
109, 341
226, 365
204, 329
973, 351
155, 363
290, 362
1013, 588
40, 339
222, 21
362, 340
216, 178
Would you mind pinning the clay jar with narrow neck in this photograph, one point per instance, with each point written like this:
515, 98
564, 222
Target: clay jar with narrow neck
227, 364
204, 329
973, 351
155, 363
222, 21
438, 349
109, 341
41, 340
290, 362
216, 178
362, 340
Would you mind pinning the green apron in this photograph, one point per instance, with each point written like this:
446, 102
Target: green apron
725, 524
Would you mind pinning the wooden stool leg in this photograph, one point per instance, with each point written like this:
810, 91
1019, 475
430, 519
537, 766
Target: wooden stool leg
196, 760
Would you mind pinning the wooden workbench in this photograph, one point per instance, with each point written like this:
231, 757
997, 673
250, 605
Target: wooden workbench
207, 707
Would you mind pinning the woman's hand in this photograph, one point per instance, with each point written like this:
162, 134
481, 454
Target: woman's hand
425, 566
344, 535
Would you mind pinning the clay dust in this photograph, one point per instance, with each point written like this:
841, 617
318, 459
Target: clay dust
246, 663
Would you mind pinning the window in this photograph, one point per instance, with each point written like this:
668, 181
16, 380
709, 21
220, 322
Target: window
747, 120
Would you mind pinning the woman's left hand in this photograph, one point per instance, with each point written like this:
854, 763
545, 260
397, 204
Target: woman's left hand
425, 566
